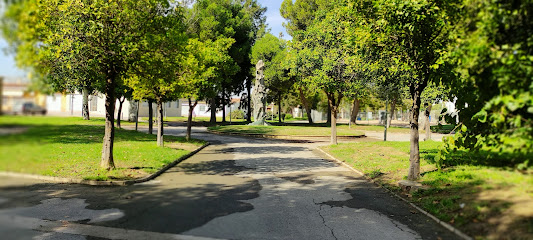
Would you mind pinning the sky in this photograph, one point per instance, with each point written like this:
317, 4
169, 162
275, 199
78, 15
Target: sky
274, 20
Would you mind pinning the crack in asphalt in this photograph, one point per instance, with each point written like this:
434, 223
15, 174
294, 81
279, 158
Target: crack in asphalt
324, 220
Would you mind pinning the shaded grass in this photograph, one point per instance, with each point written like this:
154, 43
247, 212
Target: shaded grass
71, 147
482, 201
285, 130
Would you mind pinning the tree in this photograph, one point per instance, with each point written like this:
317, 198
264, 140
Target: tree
240, 20
202, 64
415, 36
494, 57
329, 60
158, 73
74, 39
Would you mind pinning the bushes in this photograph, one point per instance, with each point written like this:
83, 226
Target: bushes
237, 114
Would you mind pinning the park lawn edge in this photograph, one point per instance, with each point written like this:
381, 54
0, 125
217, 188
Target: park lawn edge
106, 182
460, 194
226, 129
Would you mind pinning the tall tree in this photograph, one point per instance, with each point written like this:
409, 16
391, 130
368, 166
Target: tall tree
158, 74
77, 39
415, 35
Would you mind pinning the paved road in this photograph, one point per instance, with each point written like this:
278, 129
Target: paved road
237, 188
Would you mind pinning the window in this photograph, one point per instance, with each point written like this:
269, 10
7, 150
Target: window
202, 108
178, 104
169, 104
93, 103
145, 104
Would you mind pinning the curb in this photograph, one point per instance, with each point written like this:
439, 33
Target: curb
285, 137
104, 183
444, 224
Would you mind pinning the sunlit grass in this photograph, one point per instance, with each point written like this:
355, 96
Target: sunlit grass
71, 147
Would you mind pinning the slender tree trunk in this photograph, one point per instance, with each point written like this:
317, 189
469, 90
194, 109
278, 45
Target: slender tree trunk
355, 111
189, 119
329, 115
223, 106
85, 104
333, 127
213, 119
414, 158
428, 124
279, 108
150, 117
160, 142
249, 99
306, 105
391, 115
137, 115
109, 135
120, 103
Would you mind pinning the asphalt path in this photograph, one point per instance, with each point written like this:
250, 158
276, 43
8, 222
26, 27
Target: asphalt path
236, 188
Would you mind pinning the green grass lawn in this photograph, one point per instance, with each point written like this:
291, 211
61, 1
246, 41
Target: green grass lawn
484, 202
286, 130
71, 147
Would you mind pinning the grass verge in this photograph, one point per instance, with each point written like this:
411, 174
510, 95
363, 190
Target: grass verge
71, 147
285, 130
484, 202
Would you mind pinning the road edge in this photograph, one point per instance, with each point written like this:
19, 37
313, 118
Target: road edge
105, 183
444, 224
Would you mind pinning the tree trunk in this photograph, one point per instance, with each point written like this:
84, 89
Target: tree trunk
160, 142
150, 116
414, 158
428, 124
189, 119
85, 104
391, 115
109, 135
249, 99
213, 119
355, 111
137, 115
333, 127
329, 115
279, 108
223, 107
306, 105
120, 102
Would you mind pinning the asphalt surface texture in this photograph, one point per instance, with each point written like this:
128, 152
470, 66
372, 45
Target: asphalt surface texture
236, 188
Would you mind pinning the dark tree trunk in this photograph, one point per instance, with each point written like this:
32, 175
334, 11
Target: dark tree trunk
306, 105
329, 115
160, 142
120, 103
279, 108
391, 115
223, 106
414, 157
189, 119
85, 104
109, 135
249, 99
150, 117
428, 124
355, 111
213, 119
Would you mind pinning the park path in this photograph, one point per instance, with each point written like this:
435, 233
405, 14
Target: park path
236, 188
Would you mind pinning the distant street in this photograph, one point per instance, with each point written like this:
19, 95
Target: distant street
237, 188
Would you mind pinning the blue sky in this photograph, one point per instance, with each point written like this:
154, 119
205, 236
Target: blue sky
274, 21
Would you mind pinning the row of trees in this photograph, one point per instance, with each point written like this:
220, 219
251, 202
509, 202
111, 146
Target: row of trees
477, 51
156, 50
